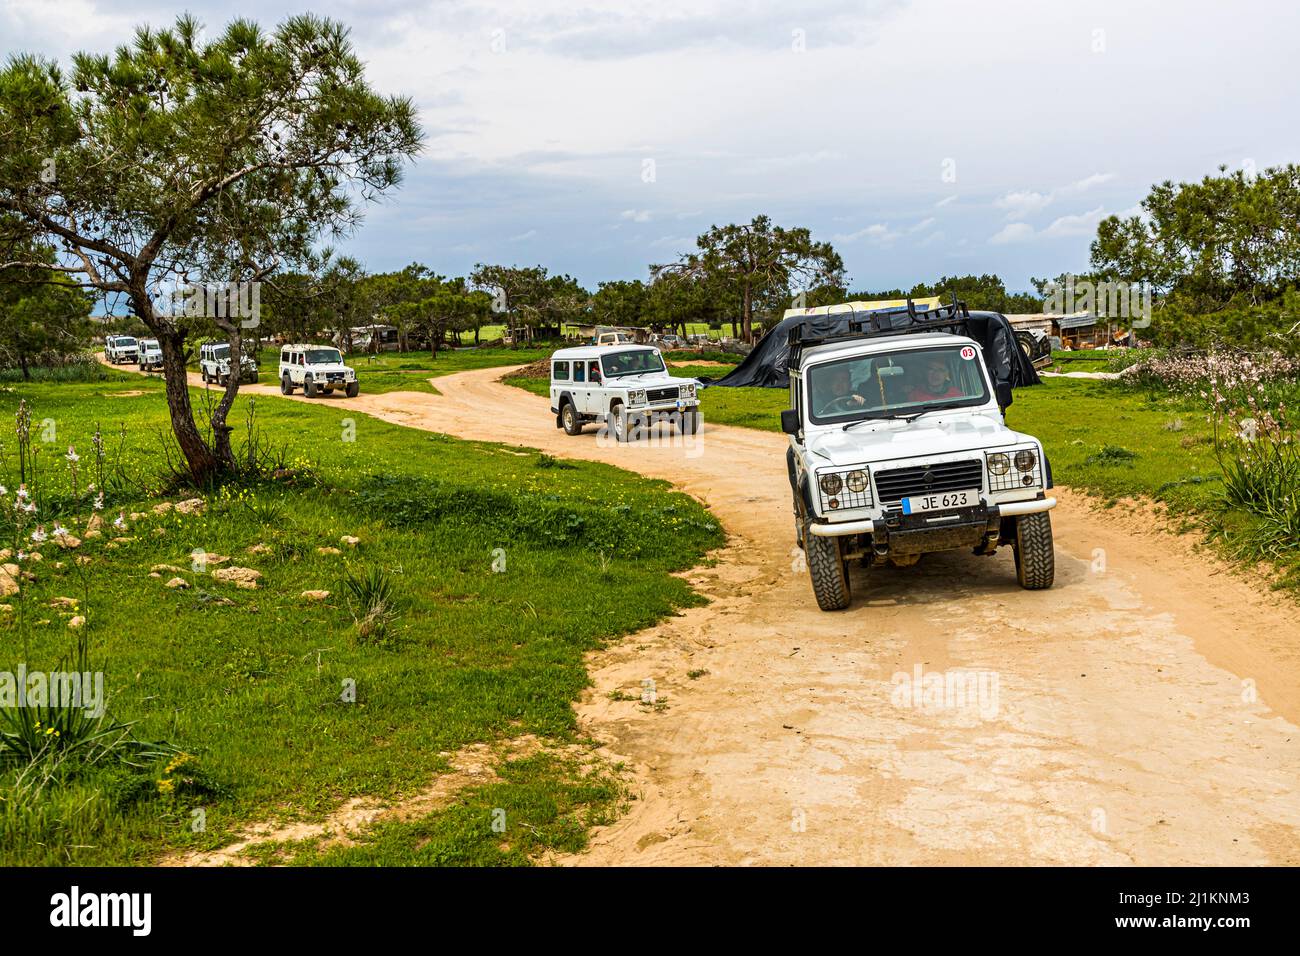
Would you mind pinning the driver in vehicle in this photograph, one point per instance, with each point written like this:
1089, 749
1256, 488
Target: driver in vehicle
840, 389
934, 383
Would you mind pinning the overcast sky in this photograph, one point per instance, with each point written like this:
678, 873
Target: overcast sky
922, 137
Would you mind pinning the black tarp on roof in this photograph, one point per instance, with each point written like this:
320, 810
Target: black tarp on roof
766, 366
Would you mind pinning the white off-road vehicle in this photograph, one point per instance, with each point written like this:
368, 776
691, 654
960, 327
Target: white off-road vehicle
120, 349
626, 386
214, 364
149, 354
316, 369
899, 447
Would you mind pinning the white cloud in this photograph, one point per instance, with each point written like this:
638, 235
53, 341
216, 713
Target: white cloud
1012, 232
635, 215
1083, 224
945, 201
521, 237
922, 225
1082, 185
876, 232
1023, 203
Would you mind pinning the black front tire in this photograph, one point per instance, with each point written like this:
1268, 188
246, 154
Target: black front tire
309, 388
1035, 554
828, 570
571, 420
286, 385
619, 422
353, 389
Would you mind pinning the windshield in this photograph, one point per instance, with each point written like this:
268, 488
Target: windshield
149, 343
631, 362
125, 340
891, 384
323, 356
221, 351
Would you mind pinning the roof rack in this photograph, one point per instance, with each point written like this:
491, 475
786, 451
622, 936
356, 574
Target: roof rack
899, 320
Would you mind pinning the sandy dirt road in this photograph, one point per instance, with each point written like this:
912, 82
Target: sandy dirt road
1143, 711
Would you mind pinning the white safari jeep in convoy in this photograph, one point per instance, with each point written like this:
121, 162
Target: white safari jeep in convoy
214, 364
627, 386
120, 348
150, 354
898, 447
316, 369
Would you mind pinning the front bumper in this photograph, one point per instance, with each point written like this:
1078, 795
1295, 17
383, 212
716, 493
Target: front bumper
896, 526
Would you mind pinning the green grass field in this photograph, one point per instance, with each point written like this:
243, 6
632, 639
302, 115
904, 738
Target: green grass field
251, 683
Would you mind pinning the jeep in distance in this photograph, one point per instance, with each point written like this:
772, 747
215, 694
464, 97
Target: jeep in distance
214, 364
628, 387
150, 355
316, 369
899, 447
120, 349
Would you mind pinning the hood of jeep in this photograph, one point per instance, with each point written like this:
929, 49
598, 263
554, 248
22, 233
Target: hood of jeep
331, 367
649, 380
929, 437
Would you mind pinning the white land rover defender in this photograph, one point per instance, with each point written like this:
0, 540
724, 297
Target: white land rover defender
120, 348
214, 364
316, 369
150, 355
898, 447
626, 386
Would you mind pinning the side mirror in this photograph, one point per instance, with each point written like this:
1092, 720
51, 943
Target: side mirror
1003, 391
790, 421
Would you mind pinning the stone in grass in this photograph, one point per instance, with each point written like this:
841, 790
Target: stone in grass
35, 556
168, 567
76, 622
63, 602
161, 508
191, 506
178, 583
154, 574
94, 527
14, 572
246, 578
316, 595
261, 548
138, 515
8, 585
350, 540
66, 541
328, 551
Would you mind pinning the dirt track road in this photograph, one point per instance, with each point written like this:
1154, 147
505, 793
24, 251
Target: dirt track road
1143, 711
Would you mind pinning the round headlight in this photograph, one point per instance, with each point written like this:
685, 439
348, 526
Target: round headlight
831, 484
857, 481
999, 463
1026, 460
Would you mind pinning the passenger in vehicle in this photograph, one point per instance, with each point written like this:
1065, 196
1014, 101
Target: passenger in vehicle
934, 382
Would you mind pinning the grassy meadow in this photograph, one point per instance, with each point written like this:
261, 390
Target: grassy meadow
479, 578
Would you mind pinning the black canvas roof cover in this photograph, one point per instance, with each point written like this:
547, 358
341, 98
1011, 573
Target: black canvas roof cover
767, 365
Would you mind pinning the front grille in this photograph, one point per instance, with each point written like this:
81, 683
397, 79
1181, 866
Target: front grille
899, 483
661, 394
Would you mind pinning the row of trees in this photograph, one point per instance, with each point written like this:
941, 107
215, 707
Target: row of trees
1222, 257
44, 315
